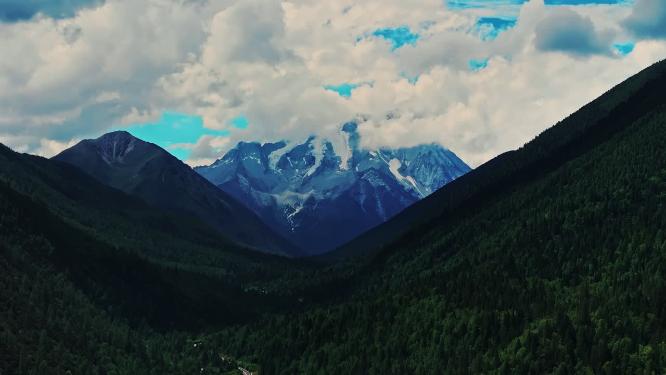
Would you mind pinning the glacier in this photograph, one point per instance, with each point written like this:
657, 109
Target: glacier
319, 197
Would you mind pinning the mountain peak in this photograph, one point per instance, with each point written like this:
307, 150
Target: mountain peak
319, 195
113, 147
117, 133
127, 163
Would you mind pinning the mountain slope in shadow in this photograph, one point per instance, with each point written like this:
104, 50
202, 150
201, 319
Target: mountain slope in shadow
147, 171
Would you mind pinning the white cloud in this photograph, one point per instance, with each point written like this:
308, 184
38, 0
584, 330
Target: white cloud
648, 19
567, 31
48, 147
53, 81
269, 61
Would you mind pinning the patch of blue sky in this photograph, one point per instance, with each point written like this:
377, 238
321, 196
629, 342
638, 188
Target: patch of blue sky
495, 4
174, 131
624, 49
502, 15
481, 4
500, 9
397, 36
489, 28
476, 65
23, 10
345, 89
240, 122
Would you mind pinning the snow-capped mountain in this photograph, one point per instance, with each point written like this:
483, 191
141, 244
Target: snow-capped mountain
319, 197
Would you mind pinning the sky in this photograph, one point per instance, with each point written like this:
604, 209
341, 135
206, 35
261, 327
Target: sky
479, 77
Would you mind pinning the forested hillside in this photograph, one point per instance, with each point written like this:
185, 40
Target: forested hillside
95, 281
576, 134
559, 269
551, 261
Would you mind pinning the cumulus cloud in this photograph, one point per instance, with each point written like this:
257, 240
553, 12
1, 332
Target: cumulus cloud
270, 62
248, 31
76, 77
48, 147
648, 19
566, 31
207, 149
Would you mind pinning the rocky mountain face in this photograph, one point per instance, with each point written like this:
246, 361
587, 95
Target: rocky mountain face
320, 197
145, 170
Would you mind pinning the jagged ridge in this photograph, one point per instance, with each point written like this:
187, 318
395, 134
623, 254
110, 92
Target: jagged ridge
320, 197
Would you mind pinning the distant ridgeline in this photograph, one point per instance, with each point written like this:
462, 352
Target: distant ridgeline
295, 201
547, 259
320, 198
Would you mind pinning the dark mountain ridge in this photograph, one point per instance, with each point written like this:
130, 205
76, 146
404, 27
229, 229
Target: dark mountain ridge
145, 262
592, 124
548, 259
147, 171
554, 262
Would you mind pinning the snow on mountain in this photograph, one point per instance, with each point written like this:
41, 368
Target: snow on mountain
320, 197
